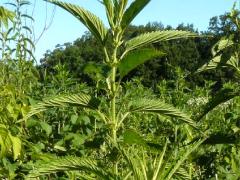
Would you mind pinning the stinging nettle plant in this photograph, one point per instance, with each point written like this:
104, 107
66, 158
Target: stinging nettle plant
121, 56
18, 77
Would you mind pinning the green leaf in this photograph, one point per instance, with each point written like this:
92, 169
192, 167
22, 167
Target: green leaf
9, 143
96, 71
26, 16
160, 162
110, 11
6, 16
5, 141
135, 58
213, 64
221, 45
16, 146
31, 123
69, 163
91, 21
46, 127
134, 164
61, 101
233, 63
132, 137
183, 155
83, 120
60, 148
74, 119
132, 11
222, 57
157, 36
78, 140
157, 106
166, 165
219, 61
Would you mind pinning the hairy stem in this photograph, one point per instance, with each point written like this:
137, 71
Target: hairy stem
113, 106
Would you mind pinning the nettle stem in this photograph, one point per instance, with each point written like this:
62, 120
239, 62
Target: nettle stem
113, 64
113, 113
113, 106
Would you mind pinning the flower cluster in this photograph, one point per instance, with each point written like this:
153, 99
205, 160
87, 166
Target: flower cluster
197, 101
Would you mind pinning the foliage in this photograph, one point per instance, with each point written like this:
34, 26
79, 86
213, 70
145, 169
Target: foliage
5, 16
184, 53
98, 108
18, 80
226, 55
114, 114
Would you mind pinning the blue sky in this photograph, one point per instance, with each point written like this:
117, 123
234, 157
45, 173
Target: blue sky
66, 28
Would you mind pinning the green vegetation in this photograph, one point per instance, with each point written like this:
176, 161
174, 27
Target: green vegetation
124, 102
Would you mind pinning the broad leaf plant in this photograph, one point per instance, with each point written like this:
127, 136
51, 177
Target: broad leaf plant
120, 56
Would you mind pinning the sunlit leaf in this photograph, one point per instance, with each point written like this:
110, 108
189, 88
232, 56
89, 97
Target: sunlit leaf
132, 11
110, 11
182, 156
6, 16
69, 163
91, 21
157, 36
16, 146
136, 58
213, 64
159, 107
81, 100
9, 144
221, 45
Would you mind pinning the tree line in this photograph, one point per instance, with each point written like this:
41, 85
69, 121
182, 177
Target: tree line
81, 57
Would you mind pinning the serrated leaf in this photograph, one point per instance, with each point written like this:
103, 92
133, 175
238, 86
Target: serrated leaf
223, 59
218, 61
91, 21
157, 106
233, 62
221, 45
69, 163
210, 65
160, 162
109, 11
157, 36
132, 11
136, 58
173, 167
81, 100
